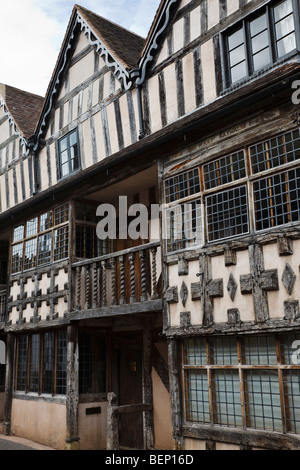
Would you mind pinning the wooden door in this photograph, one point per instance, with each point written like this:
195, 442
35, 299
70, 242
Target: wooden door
130, 393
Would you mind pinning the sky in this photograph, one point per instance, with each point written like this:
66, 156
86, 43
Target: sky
32, 32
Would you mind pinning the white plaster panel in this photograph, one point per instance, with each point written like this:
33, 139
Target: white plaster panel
232, 6
208, 71
107, 85
164, 53
195, 22
44, 181
11, 188
189, 83
111, 118
53, 163
154, 102
99, 137
43, 310
194, 307
194, 444
178, 35
14, 291
272, 260
81, 44
95, 97
85, 100
4, 131
14, 315
243, 302
19, 187
61, 279
88, 151
81, 70
3, 193
44, 284
60, 307
29, 287
125, 119
26, 178
27, 313
171, 93
213, 13
75, 108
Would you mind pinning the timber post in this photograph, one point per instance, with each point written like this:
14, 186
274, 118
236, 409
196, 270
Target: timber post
174, 374
72, 438
147, 386
10, 347
112, 436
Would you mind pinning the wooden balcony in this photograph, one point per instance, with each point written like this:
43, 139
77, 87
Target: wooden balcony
124, 282
3, 305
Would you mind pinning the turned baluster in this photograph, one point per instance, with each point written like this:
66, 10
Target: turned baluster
95, 286
113, 282
143, 276
132, 278
122, 280
103, 285
87, 287
78, 290
154, 274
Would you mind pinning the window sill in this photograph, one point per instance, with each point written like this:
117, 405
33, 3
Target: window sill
44, 397
250, 437
259, 74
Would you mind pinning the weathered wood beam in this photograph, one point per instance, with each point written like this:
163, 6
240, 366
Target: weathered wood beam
72, 393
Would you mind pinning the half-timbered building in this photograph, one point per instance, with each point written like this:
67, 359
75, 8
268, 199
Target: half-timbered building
186, 335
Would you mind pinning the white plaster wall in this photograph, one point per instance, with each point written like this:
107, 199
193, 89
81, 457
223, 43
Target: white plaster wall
209, 79
40, 422
243, 302
272, 260
92, 428
154, 103
81, 70
194, 307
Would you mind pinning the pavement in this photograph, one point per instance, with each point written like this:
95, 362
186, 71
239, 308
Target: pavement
18, 443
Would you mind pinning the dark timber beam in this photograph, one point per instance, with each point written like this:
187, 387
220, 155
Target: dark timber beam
72, 438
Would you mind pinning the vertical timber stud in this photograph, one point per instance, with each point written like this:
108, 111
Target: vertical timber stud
10, 349
147, 386
174, 374
72, 438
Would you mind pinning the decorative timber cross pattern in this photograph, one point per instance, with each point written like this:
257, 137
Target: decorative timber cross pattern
52, 294
208, 289
21, 304
259, 282
35, 294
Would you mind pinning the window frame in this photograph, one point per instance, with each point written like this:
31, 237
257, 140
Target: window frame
242, 368
244, 24
27, 360
230, 172
41, 231
67, 136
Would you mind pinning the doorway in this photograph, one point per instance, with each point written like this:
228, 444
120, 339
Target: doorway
130, 362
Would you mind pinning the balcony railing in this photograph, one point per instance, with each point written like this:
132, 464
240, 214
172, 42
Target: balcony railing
122, 278
3, 305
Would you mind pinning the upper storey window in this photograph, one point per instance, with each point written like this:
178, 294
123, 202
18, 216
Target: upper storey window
261, 40
69, 157
41, 240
